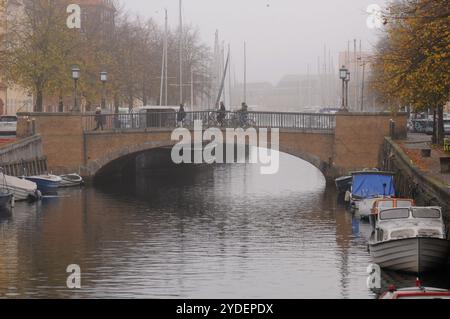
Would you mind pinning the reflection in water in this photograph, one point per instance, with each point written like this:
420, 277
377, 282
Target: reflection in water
191, 232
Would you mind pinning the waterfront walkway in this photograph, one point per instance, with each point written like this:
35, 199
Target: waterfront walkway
413, 146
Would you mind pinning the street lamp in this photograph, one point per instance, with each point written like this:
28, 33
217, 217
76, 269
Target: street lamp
75, 77
104, 79
343, 76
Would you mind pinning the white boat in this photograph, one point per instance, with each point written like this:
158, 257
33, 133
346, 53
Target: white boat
22, 189
411, 240
47, 184
71, 180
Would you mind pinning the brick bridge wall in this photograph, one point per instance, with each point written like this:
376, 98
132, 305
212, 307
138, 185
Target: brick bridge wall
356, 143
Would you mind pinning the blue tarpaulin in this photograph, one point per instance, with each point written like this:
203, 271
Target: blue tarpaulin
373, 185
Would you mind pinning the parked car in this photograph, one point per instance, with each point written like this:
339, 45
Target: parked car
8, 125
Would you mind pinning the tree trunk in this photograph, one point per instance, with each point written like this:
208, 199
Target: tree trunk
434, 138
144, 95
116, 103
130, 103
60, 104
39, 101
440, 125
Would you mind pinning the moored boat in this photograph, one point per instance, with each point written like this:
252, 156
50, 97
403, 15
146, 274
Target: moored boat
367, 187
417, 292
412, 240
47, 184
344, 184
22, 189
71, 180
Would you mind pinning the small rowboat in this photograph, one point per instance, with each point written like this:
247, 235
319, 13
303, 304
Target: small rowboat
47, 184
71, 180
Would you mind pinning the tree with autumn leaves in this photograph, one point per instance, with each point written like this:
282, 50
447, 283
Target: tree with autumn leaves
40, 51
411, 66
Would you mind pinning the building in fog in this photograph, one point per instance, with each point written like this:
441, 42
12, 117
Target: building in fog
96, 15
293, 93
13, 98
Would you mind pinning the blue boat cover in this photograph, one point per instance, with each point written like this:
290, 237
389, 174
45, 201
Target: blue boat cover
372, 185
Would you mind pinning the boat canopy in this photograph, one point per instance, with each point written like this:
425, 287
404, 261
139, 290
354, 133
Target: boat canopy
371, 185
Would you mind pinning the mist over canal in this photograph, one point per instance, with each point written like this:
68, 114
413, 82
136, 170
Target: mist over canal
222, 231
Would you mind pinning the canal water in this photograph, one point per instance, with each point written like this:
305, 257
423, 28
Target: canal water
193, 232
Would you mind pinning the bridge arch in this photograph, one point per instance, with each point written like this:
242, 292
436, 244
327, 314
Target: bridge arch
313, 148
97, 167
324, 166
120, 158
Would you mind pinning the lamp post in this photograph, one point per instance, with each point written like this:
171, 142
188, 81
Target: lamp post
75, 77
347, 79
343, 76
104, 79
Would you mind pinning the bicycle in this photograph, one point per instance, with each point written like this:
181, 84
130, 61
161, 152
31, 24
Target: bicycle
245, 121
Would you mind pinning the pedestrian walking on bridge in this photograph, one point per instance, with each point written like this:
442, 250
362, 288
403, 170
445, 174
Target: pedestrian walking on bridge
98, 119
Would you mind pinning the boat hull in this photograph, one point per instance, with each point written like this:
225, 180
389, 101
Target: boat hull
22, 189
21, 194
6, 201
71, 181
365, 206
411, 255
44, 185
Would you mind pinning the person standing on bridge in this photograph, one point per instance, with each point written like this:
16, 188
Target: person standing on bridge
98, 119
243, 114
222, 114
181, 116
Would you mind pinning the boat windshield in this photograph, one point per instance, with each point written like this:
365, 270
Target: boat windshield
386, 204
399, 213
426, 213
404, 203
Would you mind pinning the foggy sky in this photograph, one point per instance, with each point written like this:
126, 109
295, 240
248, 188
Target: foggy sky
283, 36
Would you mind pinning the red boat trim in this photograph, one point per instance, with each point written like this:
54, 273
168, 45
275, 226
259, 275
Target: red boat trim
399, 295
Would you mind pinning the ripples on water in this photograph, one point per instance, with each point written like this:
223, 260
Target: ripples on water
203, 232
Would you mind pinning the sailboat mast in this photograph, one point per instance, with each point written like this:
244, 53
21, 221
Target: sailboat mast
181, 54
245, 72
192, 89
163, 65
229, 76
222, 64
166, 47
222, 83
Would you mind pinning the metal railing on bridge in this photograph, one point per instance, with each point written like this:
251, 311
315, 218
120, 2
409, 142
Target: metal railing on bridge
168, 120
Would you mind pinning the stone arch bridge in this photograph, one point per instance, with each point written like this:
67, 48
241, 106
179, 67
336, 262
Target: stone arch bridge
335, 144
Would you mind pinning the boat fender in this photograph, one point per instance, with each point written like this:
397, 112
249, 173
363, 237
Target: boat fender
13, 202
